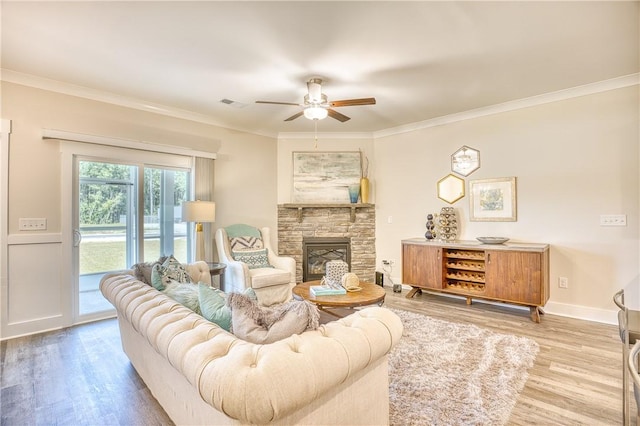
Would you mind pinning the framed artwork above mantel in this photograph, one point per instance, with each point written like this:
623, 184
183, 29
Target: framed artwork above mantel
324, 176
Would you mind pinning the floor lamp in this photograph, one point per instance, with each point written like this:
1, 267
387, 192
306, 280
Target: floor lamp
199, 211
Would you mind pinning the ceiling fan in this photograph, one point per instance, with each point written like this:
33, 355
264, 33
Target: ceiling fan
317, 106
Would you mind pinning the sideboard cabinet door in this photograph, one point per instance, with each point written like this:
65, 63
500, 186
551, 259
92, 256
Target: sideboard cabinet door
514, 276
422, 266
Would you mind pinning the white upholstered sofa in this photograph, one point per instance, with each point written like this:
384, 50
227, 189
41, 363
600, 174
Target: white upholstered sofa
201, 374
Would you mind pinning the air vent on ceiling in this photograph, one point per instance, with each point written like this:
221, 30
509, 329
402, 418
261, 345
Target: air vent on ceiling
234, 104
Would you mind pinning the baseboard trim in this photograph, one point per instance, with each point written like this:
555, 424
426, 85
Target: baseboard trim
587, 313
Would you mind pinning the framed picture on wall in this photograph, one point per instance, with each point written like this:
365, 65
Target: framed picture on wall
324, 176
493, 200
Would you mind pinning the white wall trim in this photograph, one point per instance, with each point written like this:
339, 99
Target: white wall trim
21, 329
582, 312
5, 132
560, 95
107, 97
38, 238
554, 308
97, 95
124, 143
328, 135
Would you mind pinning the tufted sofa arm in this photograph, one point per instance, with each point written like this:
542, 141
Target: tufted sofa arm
248, 382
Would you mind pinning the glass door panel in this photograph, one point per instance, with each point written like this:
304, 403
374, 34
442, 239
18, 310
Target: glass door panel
164, 231
106, 226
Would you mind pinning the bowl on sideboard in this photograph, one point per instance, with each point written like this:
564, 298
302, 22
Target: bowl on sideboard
492, 240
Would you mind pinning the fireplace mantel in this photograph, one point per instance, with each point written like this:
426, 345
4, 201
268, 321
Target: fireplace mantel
301, 207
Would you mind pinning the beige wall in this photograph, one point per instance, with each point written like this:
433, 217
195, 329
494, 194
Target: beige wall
574, 160
37, 284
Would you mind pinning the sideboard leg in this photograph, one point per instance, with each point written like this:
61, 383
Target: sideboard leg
413, 292
534, 313
468, 300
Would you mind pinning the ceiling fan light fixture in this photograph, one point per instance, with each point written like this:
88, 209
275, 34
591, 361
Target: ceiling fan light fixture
315, 113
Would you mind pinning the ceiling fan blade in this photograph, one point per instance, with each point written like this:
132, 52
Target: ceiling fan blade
340, 117
277, 103
353, 102
294, 116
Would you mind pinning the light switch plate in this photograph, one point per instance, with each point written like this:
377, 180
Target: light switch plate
613, 220
32, 224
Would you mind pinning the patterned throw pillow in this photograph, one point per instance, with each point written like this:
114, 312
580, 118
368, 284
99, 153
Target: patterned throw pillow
245, 243
171, 269
142, 270
253, 258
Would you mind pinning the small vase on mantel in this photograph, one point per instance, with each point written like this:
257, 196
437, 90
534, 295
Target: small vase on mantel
354, 192
364, 190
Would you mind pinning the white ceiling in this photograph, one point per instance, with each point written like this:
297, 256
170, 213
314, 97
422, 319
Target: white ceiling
420, 60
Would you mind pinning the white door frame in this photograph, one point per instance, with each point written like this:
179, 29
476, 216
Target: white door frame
69, 151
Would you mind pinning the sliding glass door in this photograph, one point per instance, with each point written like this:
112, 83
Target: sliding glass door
125, 214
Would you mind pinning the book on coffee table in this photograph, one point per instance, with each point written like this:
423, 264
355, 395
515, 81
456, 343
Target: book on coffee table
326, 290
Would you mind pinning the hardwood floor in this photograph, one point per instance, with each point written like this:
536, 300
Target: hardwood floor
80, 376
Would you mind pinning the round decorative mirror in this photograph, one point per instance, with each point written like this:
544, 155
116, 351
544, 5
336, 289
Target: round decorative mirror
465, 161
450, 188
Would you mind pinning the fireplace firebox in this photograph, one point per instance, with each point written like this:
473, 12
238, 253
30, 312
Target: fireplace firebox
316, 252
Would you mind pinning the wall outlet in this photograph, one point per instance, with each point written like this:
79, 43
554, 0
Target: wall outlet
613, 220
563, 282
389, 262
32, 224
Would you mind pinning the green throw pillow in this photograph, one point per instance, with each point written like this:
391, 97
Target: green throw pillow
213, 306
184, 293
171, 269
253, 258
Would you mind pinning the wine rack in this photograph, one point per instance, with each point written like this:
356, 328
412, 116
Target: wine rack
464, 270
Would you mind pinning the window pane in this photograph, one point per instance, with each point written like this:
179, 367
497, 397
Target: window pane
164, 232
106, 219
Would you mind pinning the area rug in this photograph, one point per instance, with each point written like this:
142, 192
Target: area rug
444, 373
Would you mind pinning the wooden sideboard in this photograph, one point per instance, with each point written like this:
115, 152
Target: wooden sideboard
516, 273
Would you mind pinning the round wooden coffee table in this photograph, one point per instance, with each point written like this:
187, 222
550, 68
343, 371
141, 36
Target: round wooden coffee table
369, 295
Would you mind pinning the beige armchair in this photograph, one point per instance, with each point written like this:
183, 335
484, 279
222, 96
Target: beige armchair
252, 263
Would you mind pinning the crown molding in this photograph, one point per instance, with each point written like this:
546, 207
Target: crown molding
11, 76
97, 95
328, 135
560, 95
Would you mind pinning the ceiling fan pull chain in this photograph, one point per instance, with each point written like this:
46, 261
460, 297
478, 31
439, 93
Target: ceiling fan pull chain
315, 132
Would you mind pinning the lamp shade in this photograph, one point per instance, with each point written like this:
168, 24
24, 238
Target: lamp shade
198, 211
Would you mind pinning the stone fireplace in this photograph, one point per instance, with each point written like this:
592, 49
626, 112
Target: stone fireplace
352, 223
